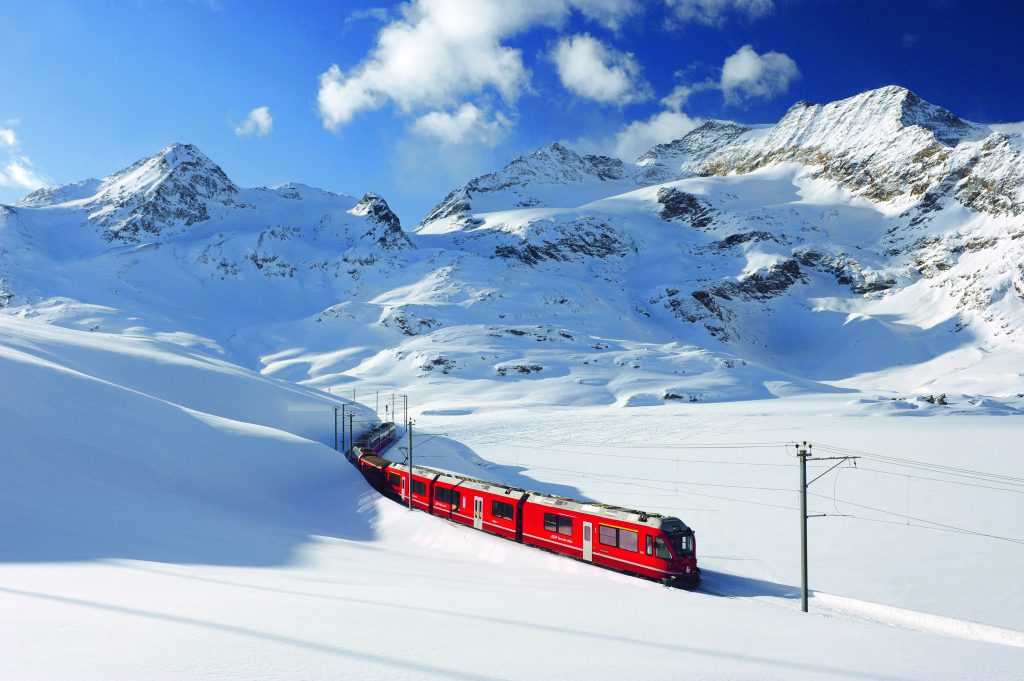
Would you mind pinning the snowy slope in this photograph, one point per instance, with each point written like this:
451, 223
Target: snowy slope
147, 538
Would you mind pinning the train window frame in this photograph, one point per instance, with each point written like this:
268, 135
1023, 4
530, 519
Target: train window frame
394, 479
456, 500
558, 523
502, 509
650, 545
419, 488
443, 495
609, 535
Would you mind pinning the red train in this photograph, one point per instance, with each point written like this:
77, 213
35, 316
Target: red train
644, 544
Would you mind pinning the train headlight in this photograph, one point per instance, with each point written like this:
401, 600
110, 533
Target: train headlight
687, 569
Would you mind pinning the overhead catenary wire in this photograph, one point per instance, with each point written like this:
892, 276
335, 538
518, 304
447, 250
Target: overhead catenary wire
961, 476
946, 526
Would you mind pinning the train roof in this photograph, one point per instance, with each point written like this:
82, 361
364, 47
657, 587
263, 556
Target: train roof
666, 523
422, 471
374, 460
656, 520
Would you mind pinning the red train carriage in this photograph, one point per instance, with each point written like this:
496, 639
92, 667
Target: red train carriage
482, 505
422, 484
645, 544
635, 542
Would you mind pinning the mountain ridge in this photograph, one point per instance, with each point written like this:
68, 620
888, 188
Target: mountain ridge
602, 281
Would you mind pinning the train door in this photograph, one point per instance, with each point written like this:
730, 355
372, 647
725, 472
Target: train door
478, 513
405, 481
588, 541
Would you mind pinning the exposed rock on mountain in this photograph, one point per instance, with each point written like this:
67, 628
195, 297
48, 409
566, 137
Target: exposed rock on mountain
156, 196
682, 157
678, 205
862, 238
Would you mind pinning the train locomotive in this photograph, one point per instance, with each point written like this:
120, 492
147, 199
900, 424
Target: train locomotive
635, 542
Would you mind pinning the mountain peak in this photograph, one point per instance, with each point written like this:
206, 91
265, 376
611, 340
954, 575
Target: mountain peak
880, 113
175, 187
681, 157
183, 153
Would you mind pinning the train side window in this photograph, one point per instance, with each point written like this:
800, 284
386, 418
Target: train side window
650, 545
394, 479
499, 509
628, 540
607, 535
455, 500
558, 523
661, 549
443, 495
419, 487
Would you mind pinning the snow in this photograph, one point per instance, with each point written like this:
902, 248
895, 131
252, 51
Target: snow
153, 539
173, 347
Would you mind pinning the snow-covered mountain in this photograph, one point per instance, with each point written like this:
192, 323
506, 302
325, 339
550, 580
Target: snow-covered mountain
871, 243
161, 488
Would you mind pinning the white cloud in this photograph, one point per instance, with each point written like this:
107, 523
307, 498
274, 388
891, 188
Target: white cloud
909, 40
379, 14
714, 12
468, 124
441, 51
639, 136
259, 122
676, 100
609, 13
17, 171
593, 70
1008, 128
749, 75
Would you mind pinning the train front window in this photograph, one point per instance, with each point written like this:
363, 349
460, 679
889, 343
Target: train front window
682, 544
661, 549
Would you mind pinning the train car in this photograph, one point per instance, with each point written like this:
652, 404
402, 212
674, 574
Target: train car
635, 542
374, 468
496, 509
446, 499
644, 544
379, 437
421, 487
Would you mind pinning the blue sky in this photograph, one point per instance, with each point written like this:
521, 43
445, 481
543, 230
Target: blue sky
410, 100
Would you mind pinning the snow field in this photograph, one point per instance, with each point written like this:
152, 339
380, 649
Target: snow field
144, 542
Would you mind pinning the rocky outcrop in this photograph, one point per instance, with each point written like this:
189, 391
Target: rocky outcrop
384, 226
683, 207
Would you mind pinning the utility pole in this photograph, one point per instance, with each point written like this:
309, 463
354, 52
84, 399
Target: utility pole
393, 416
409, 425
335, 429
342, 427
405, 409
351, 431
803, 452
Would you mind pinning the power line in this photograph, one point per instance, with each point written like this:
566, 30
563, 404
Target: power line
948, 482
922, 520
924, 465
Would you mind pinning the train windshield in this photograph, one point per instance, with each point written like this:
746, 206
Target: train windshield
682, 544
